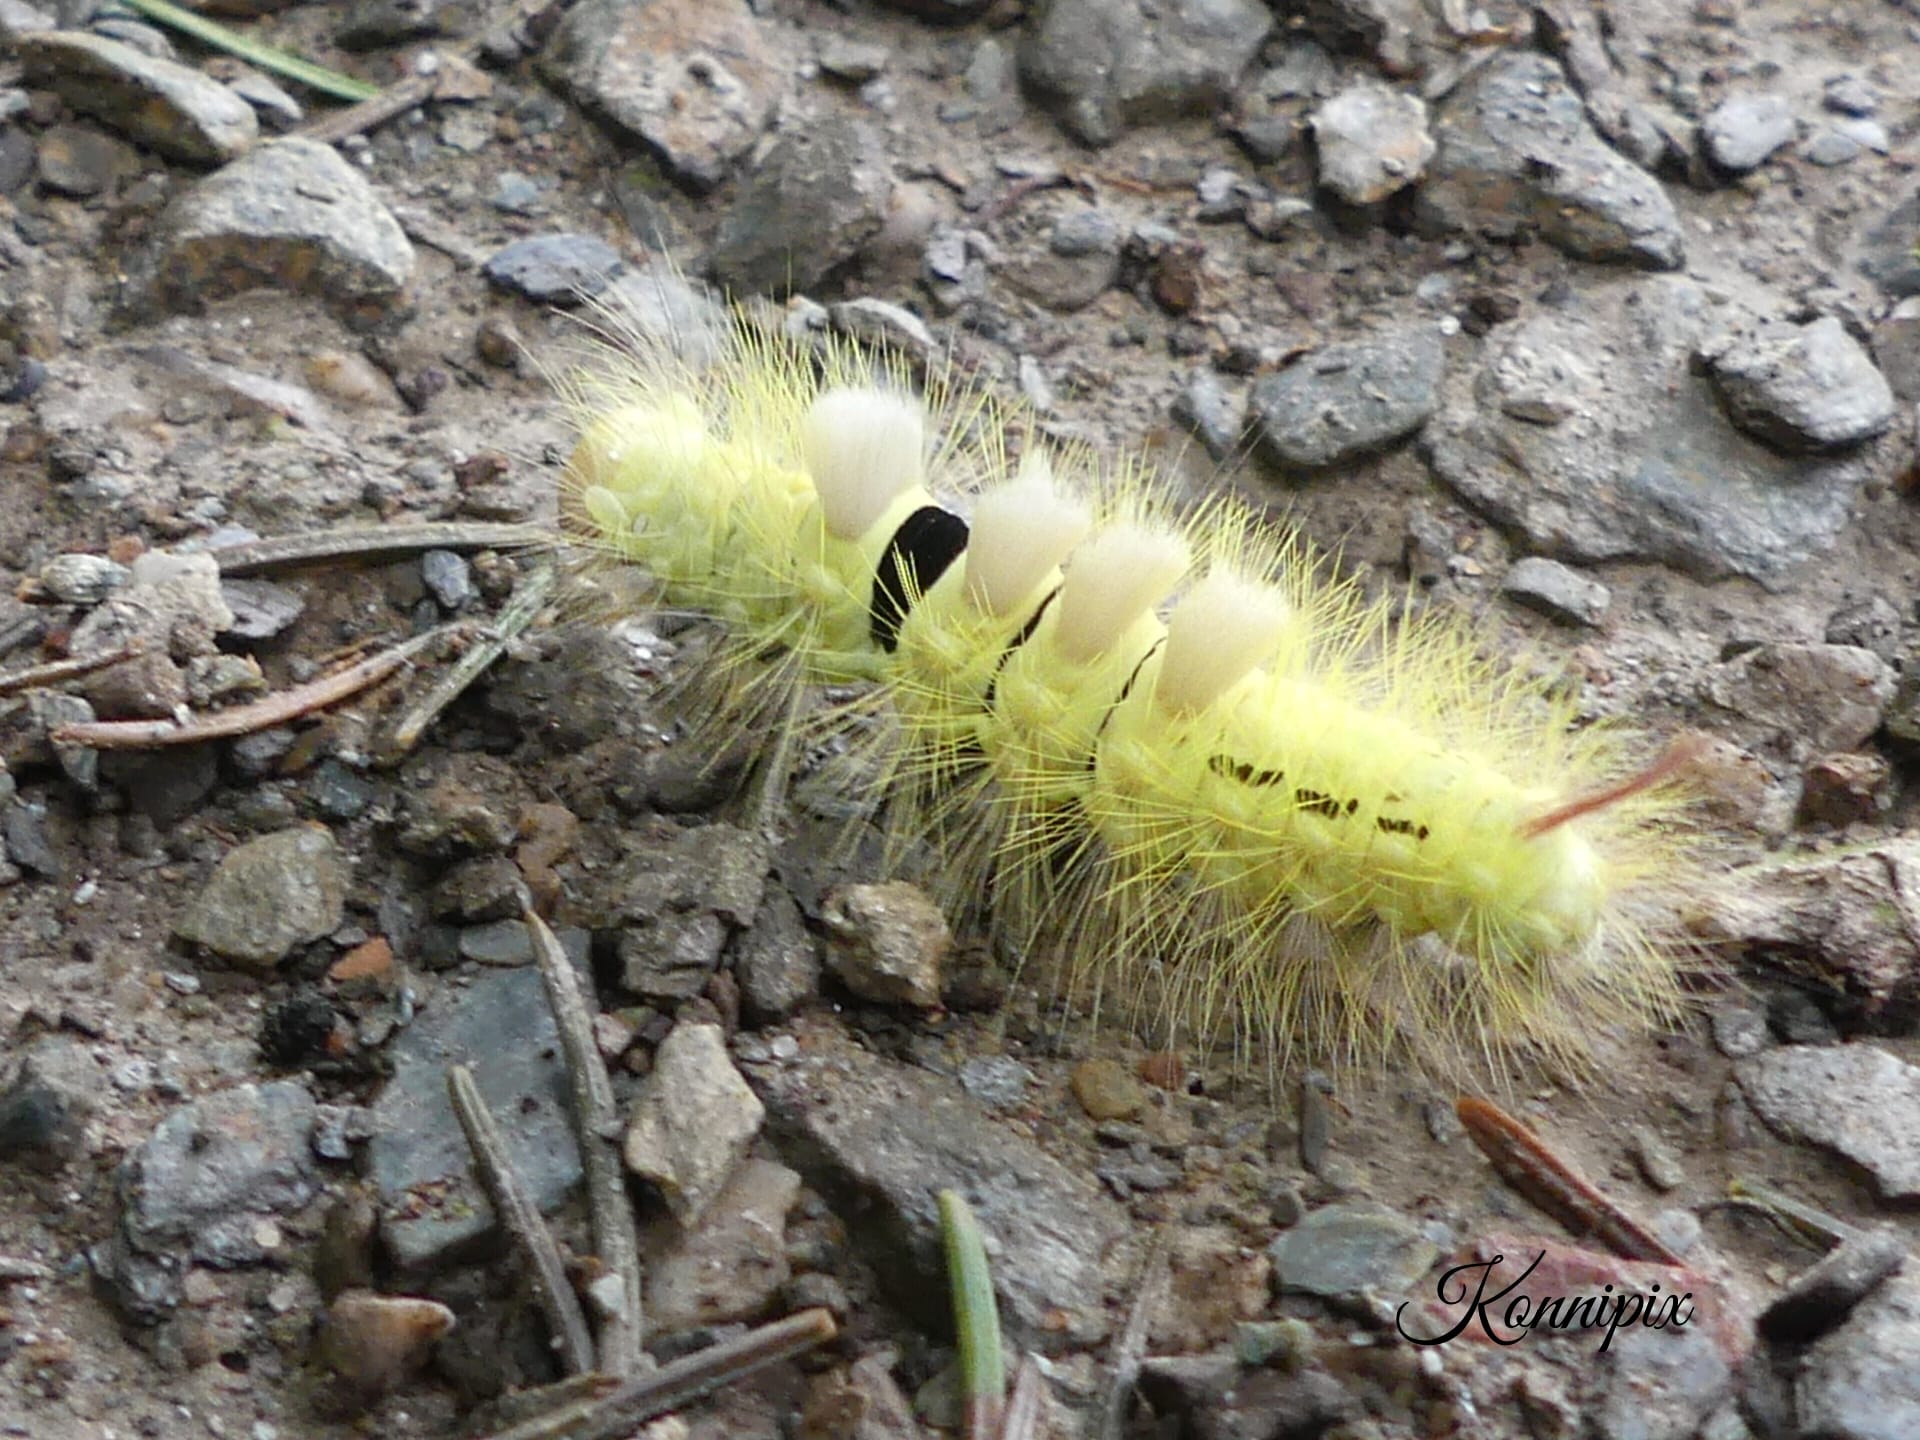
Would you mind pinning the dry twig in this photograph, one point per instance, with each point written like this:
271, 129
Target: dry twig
595, 1118
280, 709
519, 1216
529, 597
631, 1404
53, 672
364, 543
1131, 1347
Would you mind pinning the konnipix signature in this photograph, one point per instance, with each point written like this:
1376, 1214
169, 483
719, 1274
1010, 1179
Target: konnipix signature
1522, 1313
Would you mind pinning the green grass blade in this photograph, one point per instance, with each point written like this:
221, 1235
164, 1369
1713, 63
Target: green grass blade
211, 32
976, 1318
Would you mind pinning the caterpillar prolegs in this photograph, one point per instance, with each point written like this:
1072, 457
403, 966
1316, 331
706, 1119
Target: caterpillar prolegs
1170, 752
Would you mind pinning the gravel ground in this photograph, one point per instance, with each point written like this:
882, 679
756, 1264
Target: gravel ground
1597, 322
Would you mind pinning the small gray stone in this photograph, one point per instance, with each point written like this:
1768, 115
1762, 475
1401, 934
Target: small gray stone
486, 887
78, 161
338, 793
855, 61
559, 269
732, 1265
1557, 591
291, 214
1896, 349
1351, 1249
1372, 141
1822, 1296
1110, 64
1517, 152
695, 81
500, 943
1862, 1381
1830, 146
692, 1121
809, 206
777, 962
1850, 95
449, 578
1348, 400
269, 895
201, 1184
887, 943
44, 1109
1856, 1100
23, 829
1741, 132
855, 1123
77, 579
161, 103
261, 609
1802, 387
880, 324
431, 1207
1886, 254
1810, 699
1213, 413
1658, 1164
1739, 1030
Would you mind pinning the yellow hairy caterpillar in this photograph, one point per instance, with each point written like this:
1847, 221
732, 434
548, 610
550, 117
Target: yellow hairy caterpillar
1149, 735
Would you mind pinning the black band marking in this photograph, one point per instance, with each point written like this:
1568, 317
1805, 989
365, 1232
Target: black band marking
1318, 801
927, 542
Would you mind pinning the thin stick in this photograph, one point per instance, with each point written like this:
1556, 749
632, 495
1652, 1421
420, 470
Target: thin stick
623, 1410
372, 542
1021, 1421
1131, 1347
595, 1118
520, 1217
1526, 1163
280, 709
395, 99
529, 597
55, 671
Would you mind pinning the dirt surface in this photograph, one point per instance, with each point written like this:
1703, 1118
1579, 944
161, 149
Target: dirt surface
124, 438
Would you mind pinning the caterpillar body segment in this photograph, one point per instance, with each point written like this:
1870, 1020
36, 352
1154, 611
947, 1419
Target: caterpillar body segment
1263, 806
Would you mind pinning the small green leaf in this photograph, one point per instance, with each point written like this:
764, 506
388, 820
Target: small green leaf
211, 32
976, 1318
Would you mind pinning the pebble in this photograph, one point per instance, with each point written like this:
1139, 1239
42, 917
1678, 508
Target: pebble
1107, 1090
82, 162
675, 907
46, 1103
1862, 1381
1739, 1030
1111, 64
1804, 699
855, 61
1349, 1249
880, 324
692, 1121
1740, 133
516, 194
1557, 591
24, 839
1372, 142
373, 1343
805, 210
1205, 406
336, 792
561, 269
431, 1208
733, 1264
291, 213
1656, 1159
776, 961
1886, 254
1896, 349
694, 81
268, 896
1824, 1294
1516, 152
1850, 95
261, 609
1802, 387
854, 1122
160, 103
1855, 1100
200, 1187
1345, 401
1639, 466
486, 887
886, 943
